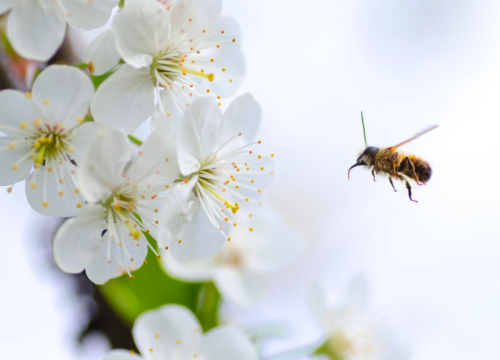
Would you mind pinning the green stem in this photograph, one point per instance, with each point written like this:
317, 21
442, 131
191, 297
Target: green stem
364, 132
208, 306
135, 140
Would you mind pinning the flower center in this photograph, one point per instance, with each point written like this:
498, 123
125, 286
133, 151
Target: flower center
170, 65
50, 143
341, 346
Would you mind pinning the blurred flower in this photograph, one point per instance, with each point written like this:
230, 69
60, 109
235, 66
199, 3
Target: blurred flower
219, 170
179, 51
108, 238
352, 333
172, 332
36, 28
240, 268
44, 129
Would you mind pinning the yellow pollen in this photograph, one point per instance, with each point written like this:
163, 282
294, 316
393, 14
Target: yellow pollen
208, 90
24, 125
260, 156
234, 40
259, 191
37, 122
249, 215
259, 142
178, 342
234, 224
15, 167
45, 204
46, 102
180, 241
157, 336
222, 32
212, 60
251, 229
91, 67
252, 181
234, 208
272, 155
186, 181
33, 185
246, 199
218, 46
12, 146
132, 352
151, 349
228, 239
79, 206
262, 168
27, 95
230, 80
61, 193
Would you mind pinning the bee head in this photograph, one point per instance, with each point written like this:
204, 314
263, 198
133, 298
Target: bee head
366, 158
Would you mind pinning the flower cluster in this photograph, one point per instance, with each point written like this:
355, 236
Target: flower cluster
191, 193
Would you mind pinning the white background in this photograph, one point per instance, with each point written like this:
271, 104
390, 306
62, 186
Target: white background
433, 266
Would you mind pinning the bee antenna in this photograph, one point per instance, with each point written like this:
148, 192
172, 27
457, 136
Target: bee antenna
364, 132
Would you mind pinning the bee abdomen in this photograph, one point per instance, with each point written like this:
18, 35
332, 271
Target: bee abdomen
423, 170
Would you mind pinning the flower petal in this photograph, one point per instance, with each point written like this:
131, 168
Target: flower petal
16, 113
171, 331
101, 55
51, 190
175, 211
239, 287
227, 343
88, 15
5, 5
190, 17
102, 166
200, 134
77, 238
15, 163
33, 32
121, 355
195, 271
83, 136
64, 93
242, 116
125, 99
157, 163
141, 31
198, 239
111, 260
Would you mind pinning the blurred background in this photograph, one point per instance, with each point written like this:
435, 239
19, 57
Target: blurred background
432, 267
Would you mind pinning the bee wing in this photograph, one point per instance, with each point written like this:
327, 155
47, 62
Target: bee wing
414, 137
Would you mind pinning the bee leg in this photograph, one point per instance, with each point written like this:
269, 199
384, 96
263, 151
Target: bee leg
390, 180
394, 163
409, 190
373, 173
412, 167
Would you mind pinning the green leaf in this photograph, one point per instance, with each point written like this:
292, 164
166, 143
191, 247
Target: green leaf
150, 289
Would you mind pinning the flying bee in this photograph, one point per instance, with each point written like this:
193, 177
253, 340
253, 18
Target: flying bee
396, 165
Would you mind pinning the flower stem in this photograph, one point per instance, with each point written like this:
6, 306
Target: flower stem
135, 140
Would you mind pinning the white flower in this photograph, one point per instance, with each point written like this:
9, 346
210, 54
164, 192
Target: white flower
172, 332
240, 268
179, 51
224, 177
351, 332
36, 28
44, 129
108, 238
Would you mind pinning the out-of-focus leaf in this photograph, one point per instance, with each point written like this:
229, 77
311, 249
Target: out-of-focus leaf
99, 79
208, 305
150, 289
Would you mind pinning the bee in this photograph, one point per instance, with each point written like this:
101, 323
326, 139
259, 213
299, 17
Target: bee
396, 165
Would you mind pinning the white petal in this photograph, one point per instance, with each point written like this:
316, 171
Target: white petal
88, 15
174, 103
15, 109
83, 136
125, 99
322, 303
175, 211
242, 116
239, 287
121, 355
101, 55
195, 271
171, 331
35, 33
64, 93
51, 190
200, 134
5, 5
227, 343
198, 239
156, 164
141, 30
228, 57
169, 120
274, 243
190, 17
102, 166
130, 255
77, 238
15, 164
